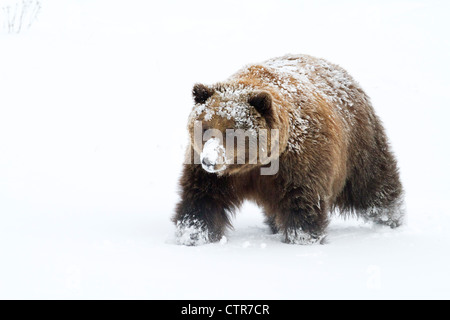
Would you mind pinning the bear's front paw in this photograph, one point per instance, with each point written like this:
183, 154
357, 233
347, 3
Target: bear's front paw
191, 232
298, 236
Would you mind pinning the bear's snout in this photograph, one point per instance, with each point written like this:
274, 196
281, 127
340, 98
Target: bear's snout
207, 162
213, 156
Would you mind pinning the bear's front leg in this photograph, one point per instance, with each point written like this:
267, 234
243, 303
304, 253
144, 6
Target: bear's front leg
206, 201
303, 221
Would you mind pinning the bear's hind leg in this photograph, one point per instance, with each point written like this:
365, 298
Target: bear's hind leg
385, 212
375, 193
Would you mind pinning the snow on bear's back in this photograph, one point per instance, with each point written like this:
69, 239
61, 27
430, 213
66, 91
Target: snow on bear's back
303, 74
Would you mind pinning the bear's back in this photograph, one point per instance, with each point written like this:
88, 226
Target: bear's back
302, 76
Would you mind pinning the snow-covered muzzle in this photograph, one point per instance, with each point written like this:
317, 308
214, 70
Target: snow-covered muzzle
213, 156
233, 150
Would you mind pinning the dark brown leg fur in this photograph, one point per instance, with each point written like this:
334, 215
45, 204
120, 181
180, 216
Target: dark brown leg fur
300, 221
373, 190
270, 221
202, 215
290, 208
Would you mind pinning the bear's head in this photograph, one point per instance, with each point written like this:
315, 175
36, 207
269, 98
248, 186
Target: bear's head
235, 128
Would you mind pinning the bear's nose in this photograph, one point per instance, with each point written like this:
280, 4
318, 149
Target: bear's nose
207, 162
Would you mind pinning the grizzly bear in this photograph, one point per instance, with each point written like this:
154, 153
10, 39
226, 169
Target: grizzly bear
331, 153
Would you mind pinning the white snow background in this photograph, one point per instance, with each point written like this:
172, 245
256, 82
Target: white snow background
94, 100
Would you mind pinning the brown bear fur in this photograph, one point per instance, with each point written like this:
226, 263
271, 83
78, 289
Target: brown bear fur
334, 153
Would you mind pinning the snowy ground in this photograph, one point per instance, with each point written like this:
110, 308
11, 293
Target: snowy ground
93, 105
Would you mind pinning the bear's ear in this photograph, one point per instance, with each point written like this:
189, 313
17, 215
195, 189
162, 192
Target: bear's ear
201, 93
262, 102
